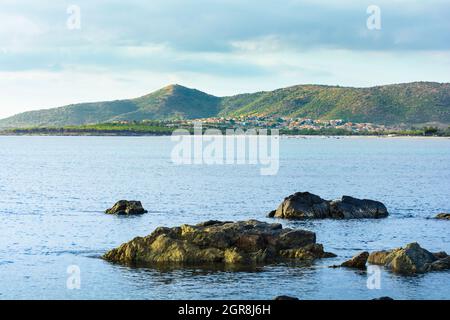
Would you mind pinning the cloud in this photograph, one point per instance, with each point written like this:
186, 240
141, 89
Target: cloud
212, 25
220, 46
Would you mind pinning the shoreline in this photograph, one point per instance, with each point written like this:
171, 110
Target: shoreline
285, 136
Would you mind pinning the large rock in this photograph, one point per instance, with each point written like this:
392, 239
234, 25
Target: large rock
125, 207
305, 205
352, 208
443, 216
410, 260
358, 261
232, 243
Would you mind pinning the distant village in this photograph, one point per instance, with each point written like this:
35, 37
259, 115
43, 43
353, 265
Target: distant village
281, 123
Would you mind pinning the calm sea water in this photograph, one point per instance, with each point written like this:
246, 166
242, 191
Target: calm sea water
53, 191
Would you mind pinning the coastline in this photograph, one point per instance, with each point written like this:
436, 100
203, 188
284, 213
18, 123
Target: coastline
147, 134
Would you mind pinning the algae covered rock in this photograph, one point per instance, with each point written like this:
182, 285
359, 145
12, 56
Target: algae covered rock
305, 205
231, 243
358, 261
410, 260
125, 207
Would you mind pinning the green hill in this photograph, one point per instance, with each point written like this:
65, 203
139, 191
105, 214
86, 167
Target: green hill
410, 103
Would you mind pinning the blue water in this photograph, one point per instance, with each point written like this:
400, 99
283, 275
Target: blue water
53, 191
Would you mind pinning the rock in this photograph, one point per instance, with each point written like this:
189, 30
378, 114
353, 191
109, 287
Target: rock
231, 243
443, 216
440, 255
271, 214
440, 265
352, 208
124, 207
357, 262
287, 298
410, 260
305, 205
384, 299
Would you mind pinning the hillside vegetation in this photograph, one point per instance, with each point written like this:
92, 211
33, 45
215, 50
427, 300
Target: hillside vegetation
410, 103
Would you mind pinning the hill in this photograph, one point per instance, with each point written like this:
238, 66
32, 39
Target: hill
409, 103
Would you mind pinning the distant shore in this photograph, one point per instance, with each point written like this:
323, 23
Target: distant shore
156, 128
158, 134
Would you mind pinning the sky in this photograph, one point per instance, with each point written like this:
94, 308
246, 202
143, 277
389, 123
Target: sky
54, 53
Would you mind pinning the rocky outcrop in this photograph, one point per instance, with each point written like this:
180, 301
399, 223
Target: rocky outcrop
125, 207
358, 261
305, 205
411, 259
231, 243
443, 216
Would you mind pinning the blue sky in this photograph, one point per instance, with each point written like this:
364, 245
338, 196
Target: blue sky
125, 49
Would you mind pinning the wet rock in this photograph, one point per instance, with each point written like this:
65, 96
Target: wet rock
443, 216
287, 298
305, 205
410, 260
231, 243
125, 207
358, 261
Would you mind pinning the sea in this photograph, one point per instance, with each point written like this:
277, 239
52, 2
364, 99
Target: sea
53, 229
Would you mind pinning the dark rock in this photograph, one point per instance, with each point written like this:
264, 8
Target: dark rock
124, 207
357, 262
352, 208
443, 216
287, 298
440, 265
410, 260
384, 299
304, 205
231, 243
440, 255
271, 214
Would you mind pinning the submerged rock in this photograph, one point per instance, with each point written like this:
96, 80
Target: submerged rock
443, 216
410, 260
125, 207
358, 261
305, 205
232, 243
286, 298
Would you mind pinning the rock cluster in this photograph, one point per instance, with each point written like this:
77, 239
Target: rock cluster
125, 207
232, 243
305, 205
410, 260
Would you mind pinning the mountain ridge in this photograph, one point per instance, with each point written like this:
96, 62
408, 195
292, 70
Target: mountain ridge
409, 103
